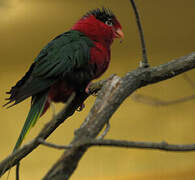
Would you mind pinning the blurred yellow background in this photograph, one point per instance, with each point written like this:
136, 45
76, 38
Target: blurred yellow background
26, 26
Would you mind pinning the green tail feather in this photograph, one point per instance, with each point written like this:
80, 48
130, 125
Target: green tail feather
37, 106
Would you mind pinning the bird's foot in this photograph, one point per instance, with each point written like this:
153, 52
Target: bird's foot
87, 90
81, 107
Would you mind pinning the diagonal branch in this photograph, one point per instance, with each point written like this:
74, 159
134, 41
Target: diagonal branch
52, 145
15, 157
113, 93
72, 104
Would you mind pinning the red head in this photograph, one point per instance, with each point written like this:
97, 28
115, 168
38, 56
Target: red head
100, 25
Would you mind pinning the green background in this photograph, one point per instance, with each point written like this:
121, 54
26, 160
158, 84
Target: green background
169, 28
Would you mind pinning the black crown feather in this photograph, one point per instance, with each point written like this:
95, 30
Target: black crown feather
103, 14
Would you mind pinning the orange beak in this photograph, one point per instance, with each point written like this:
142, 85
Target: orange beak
119, 33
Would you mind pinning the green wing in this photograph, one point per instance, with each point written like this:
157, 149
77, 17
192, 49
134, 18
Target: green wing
69, 51
64, 54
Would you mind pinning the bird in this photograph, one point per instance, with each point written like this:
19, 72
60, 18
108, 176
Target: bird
67, 64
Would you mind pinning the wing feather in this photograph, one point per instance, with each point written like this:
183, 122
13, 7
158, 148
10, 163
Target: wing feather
64, 54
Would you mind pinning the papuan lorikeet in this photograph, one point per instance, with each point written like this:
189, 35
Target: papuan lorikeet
67, 64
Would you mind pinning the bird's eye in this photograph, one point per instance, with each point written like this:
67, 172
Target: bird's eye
109, 22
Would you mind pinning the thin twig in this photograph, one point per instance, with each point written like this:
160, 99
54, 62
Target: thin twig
164, 146
144, 63
189, 80
18, 171
152, 101
43, 142
143, 145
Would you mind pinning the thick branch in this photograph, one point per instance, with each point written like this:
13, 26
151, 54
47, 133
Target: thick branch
113, 93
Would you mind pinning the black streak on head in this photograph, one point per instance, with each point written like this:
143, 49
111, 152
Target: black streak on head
103, 14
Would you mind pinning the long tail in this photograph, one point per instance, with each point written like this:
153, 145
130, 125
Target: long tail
36, 110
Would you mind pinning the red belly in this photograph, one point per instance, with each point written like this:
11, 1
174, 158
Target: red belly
59, 92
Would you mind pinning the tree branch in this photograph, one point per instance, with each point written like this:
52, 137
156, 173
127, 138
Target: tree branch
164, 146
55, 146
144, 62
112, 94
152, 101
189, 80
